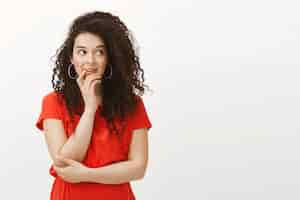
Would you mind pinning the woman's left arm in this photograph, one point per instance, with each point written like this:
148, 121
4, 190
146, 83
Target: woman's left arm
132, 169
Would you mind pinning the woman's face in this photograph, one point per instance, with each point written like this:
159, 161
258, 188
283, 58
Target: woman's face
89, 53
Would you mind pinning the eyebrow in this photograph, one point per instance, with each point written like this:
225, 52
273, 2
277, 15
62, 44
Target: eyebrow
83, 47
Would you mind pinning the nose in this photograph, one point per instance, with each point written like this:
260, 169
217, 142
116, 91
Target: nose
90, 63
90, 59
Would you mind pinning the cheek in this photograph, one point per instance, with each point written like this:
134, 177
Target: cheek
102, 70
101, 65
101, 61
77, 64
78, 69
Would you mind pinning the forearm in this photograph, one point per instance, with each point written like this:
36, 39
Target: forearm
77, 144
117, 173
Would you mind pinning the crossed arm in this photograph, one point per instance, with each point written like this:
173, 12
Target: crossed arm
75, 148
132, 169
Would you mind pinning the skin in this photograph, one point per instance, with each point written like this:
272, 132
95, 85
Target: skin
122, 172
89, 53
90, 61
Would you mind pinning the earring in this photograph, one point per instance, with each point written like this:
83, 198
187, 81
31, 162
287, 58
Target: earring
69, 72
110, 73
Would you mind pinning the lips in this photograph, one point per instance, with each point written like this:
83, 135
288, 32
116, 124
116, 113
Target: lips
88, 68
89, 71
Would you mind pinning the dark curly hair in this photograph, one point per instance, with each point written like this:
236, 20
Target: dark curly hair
120, 92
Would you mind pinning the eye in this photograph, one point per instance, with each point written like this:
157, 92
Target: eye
81, 52
100, 52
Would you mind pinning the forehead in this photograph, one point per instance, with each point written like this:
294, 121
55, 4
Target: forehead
88, 40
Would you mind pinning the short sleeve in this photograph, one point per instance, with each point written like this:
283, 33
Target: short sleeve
51, 108
140, 118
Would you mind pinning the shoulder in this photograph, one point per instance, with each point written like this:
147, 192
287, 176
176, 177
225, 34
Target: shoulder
139, 117
53, 95
51, 108
140, 107
53, 98
139, 103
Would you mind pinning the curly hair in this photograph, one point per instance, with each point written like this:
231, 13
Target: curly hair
127, 82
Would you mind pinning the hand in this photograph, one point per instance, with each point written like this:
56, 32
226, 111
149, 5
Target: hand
72, 171
89, 85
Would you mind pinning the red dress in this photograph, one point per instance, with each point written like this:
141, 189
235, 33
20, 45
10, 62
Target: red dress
104, 149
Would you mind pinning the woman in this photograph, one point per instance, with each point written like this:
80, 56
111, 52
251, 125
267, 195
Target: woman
95, 123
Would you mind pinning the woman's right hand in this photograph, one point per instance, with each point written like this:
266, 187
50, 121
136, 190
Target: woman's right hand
88, 84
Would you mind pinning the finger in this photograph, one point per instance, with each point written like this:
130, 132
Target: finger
94, 82
89, 67
69, 161
81, 77
57, 169
60, 163
87, 82
66, 161
91, 78
94, 87
84, 75
89, 72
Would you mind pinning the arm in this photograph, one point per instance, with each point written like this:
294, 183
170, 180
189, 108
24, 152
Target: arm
132, 169
74, 147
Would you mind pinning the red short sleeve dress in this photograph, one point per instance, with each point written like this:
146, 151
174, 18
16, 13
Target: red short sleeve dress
104, 149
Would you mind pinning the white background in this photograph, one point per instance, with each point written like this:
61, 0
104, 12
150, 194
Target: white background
225, 105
